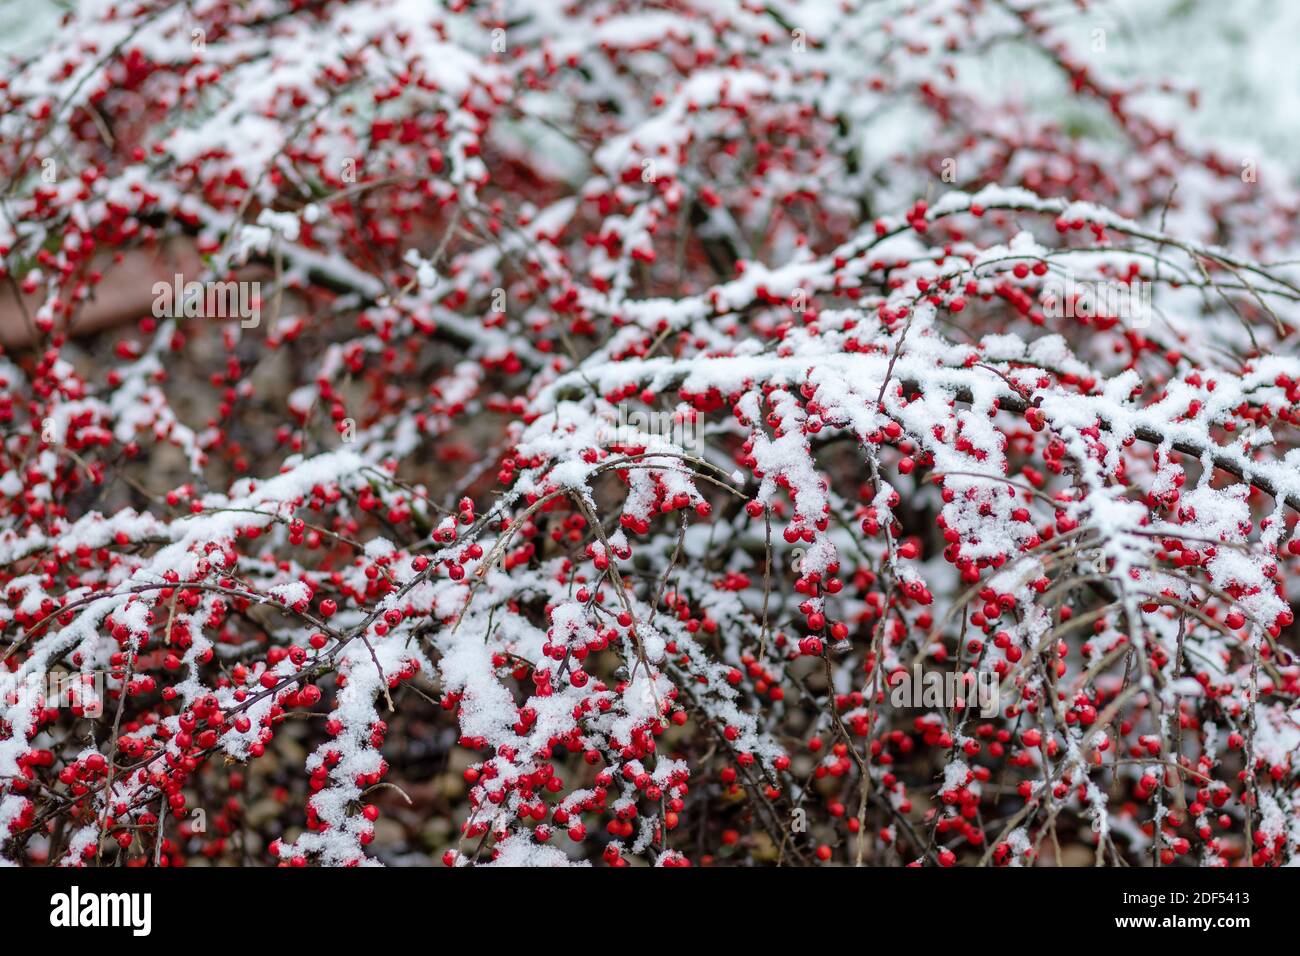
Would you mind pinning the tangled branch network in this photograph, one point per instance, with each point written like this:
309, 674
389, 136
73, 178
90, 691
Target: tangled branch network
631, 399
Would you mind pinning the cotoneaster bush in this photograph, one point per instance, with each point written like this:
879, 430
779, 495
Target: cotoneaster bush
640, 391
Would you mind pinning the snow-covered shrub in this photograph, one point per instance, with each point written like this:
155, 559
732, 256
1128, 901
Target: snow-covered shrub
635, 395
